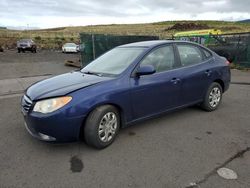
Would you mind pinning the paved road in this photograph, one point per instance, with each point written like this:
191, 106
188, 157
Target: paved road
170, 151
173, 150
14, 65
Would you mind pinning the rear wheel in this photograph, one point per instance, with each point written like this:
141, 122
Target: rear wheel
102, 126
213, 97
33, 50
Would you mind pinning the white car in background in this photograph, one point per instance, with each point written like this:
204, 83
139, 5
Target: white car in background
70, 47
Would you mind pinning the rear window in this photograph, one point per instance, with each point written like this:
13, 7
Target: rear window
206, 53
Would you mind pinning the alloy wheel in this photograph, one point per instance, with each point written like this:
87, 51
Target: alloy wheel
107, 127
214, 97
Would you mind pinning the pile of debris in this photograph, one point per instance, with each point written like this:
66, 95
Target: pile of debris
187, 26
73, 63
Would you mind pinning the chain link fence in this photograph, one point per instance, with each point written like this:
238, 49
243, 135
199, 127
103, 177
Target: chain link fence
235, 46
94, 45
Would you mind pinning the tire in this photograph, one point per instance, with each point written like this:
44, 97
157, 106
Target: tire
18, 50
97, 131
213, 97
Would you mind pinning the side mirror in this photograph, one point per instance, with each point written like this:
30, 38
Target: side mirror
145, 70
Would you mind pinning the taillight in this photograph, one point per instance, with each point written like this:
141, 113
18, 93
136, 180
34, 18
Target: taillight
227, 63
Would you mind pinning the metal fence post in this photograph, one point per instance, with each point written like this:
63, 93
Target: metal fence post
93, 46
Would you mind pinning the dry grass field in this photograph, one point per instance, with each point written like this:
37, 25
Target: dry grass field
54, 38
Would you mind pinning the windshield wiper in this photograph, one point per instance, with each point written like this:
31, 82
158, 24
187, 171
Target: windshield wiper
92, 73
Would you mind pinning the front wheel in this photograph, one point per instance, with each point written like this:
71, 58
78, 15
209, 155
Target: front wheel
102, 126
213, 97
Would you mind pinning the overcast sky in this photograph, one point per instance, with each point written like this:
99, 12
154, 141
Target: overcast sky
56, 13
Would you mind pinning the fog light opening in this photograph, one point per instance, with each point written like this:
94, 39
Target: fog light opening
46, 137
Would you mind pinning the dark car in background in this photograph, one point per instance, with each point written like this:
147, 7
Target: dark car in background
128, 84
26, 45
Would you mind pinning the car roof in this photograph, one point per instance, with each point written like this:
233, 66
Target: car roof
146, 44
153, 43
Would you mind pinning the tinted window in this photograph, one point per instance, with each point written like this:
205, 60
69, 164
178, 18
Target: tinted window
162, 59
189, 54
25, 40
70, 44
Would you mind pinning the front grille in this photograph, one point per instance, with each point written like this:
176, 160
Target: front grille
23, 45
26, 104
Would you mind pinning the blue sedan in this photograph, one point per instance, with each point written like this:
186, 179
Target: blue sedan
127, 84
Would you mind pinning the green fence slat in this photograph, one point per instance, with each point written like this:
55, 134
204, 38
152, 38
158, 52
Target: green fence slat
97, 44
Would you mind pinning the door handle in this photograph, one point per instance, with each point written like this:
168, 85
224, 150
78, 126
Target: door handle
175, 80
208, 72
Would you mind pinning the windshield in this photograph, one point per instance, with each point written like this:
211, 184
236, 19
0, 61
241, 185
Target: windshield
113, 62
25, 40
70, 45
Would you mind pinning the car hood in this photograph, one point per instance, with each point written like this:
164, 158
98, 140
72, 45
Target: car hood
62, 84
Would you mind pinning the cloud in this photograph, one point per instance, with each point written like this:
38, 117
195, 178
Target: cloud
53, 13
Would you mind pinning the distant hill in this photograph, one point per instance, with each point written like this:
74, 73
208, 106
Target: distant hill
245, 21
19, 28
56, 37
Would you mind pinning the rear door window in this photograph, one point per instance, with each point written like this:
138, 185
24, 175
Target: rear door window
189, 54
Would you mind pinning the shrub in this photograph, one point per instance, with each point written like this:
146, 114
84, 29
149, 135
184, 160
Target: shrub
38, 38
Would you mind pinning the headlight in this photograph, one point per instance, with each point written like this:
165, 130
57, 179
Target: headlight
51, 105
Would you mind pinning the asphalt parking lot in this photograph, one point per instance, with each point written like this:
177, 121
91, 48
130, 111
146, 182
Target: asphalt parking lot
179, 149
15, 65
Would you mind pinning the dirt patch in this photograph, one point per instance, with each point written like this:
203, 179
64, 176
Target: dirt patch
76, 164
131, 133
187, 26
229, 28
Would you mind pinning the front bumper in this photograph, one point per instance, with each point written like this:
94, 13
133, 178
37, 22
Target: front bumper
70, 50
24, 47
53, 128
39, 136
